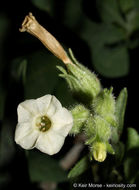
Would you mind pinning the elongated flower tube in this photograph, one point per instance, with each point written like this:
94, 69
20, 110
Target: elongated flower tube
43, 124
31, 26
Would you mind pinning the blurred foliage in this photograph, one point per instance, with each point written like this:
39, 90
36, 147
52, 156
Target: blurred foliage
79, 168
131, 165
44, 168
4, 23
7, 153
7, 148
45, 5
109, 30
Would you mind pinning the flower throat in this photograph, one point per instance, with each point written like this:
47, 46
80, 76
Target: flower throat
43, 123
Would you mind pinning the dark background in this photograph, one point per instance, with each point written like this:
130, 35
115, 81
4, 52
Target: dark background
16, 44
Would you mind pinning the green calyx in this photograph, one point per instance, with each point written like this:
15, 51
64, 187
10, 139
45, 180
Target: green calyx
104, 106
80, 115
83, 83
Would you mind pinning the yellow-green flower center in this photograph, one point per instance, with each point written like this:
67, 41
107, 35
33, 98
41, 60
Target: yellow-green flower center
43, 123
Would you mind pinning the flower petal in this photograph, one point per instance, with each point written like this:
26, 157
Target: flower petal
23, 114
50, 142
30, 106
62, 116
62, 121
54, 106
43, 103
64, 130
26, 136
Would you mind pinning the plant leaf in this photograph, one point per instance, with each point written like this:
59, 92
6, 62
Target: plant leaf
110, 58
126, 5
132, 23
7, 148
133, 138
79, 168
44, 5
136, 4
109, 11
131, 164
111, 62
4, 25
19, 68
73, 14
119, 152
120, 109
44, 168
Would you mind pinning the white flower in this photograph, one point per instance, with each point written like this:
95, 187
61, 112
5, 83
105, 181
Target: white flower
43, 124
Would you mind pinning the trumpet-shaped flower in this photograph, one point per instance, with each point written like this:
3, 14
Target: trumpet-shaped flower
43, 124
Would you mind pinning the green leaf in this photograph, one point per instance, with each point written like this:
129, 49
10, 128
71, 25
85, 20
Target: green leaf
19, 68
110, 148
4, 24
79, 168
120, 109
73, 13
131, 165
119, 152
136, 4
111, 62
126, 5
132, 23
133, 138
110, 57
7, 148
41, 76
44, 168
45, 5
109, 11
97, 35
114, 135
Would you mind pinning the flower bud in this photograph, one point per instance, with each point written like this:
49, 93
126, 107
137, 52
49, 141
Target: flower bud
97, 128
83, 83
80, 115
99, 151
104, 106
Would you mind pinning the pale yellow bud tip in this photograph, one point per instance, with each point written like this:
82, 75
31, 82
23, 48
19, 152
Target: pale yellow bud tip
99, 151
